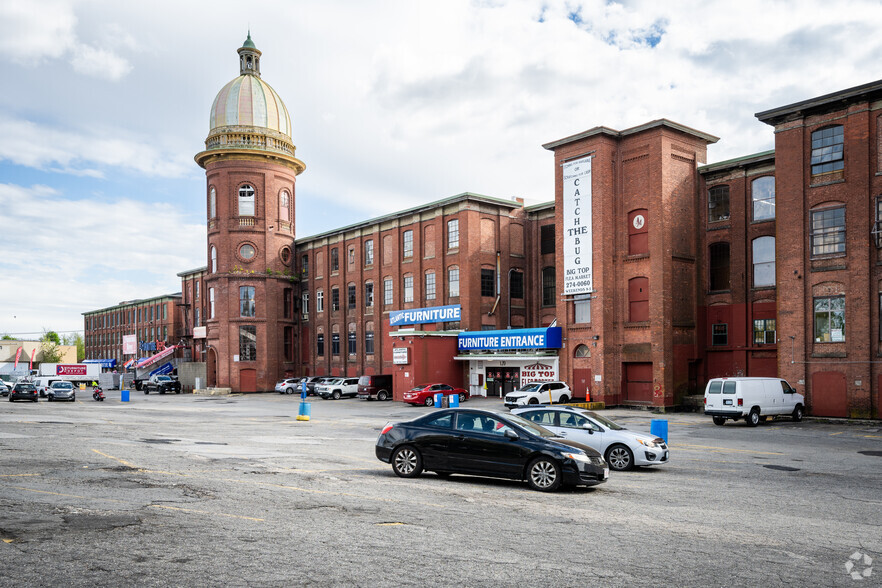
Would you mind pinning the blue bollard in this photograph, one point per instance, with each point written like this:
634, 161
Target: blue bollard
124, 395
302, 390
438, 397
305, 409
453, 400
659, 428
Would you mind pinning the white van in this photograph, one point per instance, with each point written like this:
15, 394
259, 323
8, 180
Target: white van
751, 399
42, 384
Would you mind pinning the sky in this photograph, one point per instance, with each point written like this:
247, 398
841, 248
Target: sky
394, 104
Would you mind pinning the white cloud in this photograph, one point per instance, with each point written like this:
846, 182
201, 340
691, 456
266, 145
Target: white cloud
54, 149
99, 63
36, 30
72, 256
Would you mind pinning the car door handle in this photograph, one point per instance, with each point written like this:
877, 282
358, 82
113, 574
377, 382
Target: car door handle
459, 437
561, 434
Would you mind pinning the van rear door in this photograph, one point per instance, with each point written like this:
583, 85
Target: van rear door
730, 396
713, 398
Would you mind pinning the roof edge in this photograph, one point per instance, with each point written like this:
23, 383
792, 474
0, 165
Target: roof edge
661, 122
770, 116
738, 161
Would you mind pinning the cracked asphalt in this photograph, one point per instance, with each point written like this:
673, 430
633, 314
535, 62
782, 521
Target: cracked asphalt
207, 491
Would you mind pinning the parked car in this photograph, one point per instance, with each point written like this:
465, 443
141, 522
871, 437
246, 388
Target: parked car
488, 443
161, 384
311, 382
4, 388
23, 391
425, 394
61, 391
539, 393
289, 386
375, 386
751, 399
622, 449
337, 388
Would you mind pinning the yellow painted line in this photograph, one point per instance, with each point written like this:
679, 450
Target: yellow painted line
389, 524
8, 540
839, 433
727, 450
18, 475
219, 514
122, 461
872, 436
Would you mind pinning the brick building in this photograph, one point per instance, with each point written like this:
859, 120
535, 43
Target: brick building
763, 265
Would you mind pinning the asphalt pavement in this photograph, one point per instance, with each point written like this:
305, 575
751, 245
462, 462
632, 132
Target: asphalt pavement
190, 490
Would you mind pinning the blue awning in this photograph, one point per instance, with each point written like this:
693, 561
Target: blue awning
105, 363
545, 338
162, 370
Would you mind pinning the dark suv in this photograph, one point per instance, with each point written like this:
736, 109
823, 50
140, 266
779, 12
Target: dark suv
379, 387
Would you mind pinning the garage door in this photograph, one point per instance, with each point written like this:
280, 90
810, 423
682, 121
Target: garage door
638, 382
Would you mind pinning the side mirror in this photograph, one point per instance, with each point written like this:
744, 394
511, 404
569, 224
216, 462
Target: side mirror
589, 428
510, 434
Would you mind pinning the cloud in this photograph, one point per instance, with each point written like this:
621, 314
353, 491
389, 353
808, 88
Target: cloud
50, 148
72, 256
99, 63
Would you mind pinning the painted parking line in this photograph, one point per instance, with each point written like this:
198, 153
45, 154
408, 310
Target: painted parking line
18, 475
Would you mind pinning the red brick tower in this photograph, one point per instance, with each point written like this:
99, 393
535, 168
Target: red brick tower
250, 171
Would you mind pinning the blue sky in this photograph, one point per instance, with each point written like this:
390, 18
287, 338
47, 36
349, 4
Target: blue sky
394, 103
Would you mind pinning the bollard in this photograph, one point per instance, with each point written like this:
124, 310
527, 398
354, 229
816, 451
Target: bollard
124, 395
453, 400
302, 391
438, 397
305, 409
659, 428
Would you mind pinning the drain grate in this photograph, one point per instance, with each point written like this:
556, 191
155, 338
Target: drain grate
781, 468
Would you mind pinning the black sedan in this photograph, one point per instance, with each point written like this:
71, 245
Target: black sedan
23, 391
488, 443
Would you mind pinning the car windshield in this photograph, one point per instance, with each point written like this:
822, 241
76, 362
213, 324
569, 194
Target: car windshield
530, 426
163, 379
530, 388
418, 388
62, 385
604, 421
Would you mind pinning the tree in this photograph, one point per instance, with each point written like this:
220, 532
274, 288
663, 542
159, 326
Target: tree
49, 347
76, 339
7, 338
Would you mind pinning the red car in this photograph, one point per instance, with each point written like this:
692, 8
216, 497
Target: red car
425, 394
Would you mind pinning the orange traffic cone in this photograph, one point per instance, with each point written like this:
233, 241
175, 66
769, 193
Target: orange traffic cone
587, 396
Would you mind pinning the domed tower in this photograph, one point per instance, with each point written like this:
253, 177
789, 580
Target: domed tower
250, 172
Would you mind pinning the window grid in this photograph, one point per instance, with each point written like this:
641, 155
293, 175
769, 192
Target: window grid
351, 296
718, 204
369, 252
387, 291
829, 319
246, 301
548, 286
453, 234
828, 231
320, 345
763, 262
319, 301
408, 288
369, 343
430, 286
335, 344
369, 295
335, 299
827, 145
764, 332
408, 244
247, 343
762, 193
488, 279
720, 334
453, 281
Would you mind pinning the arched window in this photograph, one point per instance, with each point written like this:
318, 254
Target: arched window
582, 351
638, 299
246, 200
212, 203
762, 193
285, 206
718, 278
763, 262
213, 259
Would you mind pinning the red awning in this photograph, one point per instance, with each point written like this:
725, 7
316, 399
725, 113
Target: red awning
162, 354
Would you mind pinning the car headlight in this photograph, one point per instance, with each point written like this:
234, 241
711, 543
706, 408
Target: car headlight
650, 444
578, 457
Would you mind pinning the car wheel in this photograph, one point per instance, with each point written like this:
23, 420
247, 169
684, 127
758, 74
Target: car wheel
753, 418
336, 395
462, 398
429, 401
544, 475
619, 458
289, 390
797, 413
718, 420
407, 462
49, 399
382, 395
533, 401
564, 399
146, 391
161, 391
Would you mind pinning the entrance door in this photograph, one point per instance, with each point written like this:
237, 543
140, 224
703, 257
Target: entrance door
638, 382
502, 380
581, 383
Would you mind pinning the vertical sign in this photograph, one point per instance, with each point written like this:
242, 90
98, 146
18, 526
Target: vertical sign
130, 344
577, 235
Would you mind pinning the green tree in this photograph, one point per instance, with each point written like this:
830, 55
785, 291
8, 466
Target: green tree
7, 338
49, 350
76, 339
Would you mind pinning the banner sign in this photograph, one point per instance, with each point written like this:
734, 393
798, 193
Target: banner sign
70, 370
31, 364
130, 344
577, 228
17, 356
547, 338
418, 316
399, 356
539, 372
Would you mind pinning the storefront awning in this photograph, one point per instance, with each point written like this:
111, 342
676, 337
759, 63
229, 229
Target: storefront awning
104, 363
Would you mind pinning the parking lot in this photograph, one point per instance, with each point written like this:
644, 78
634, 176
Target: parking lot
195, 490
